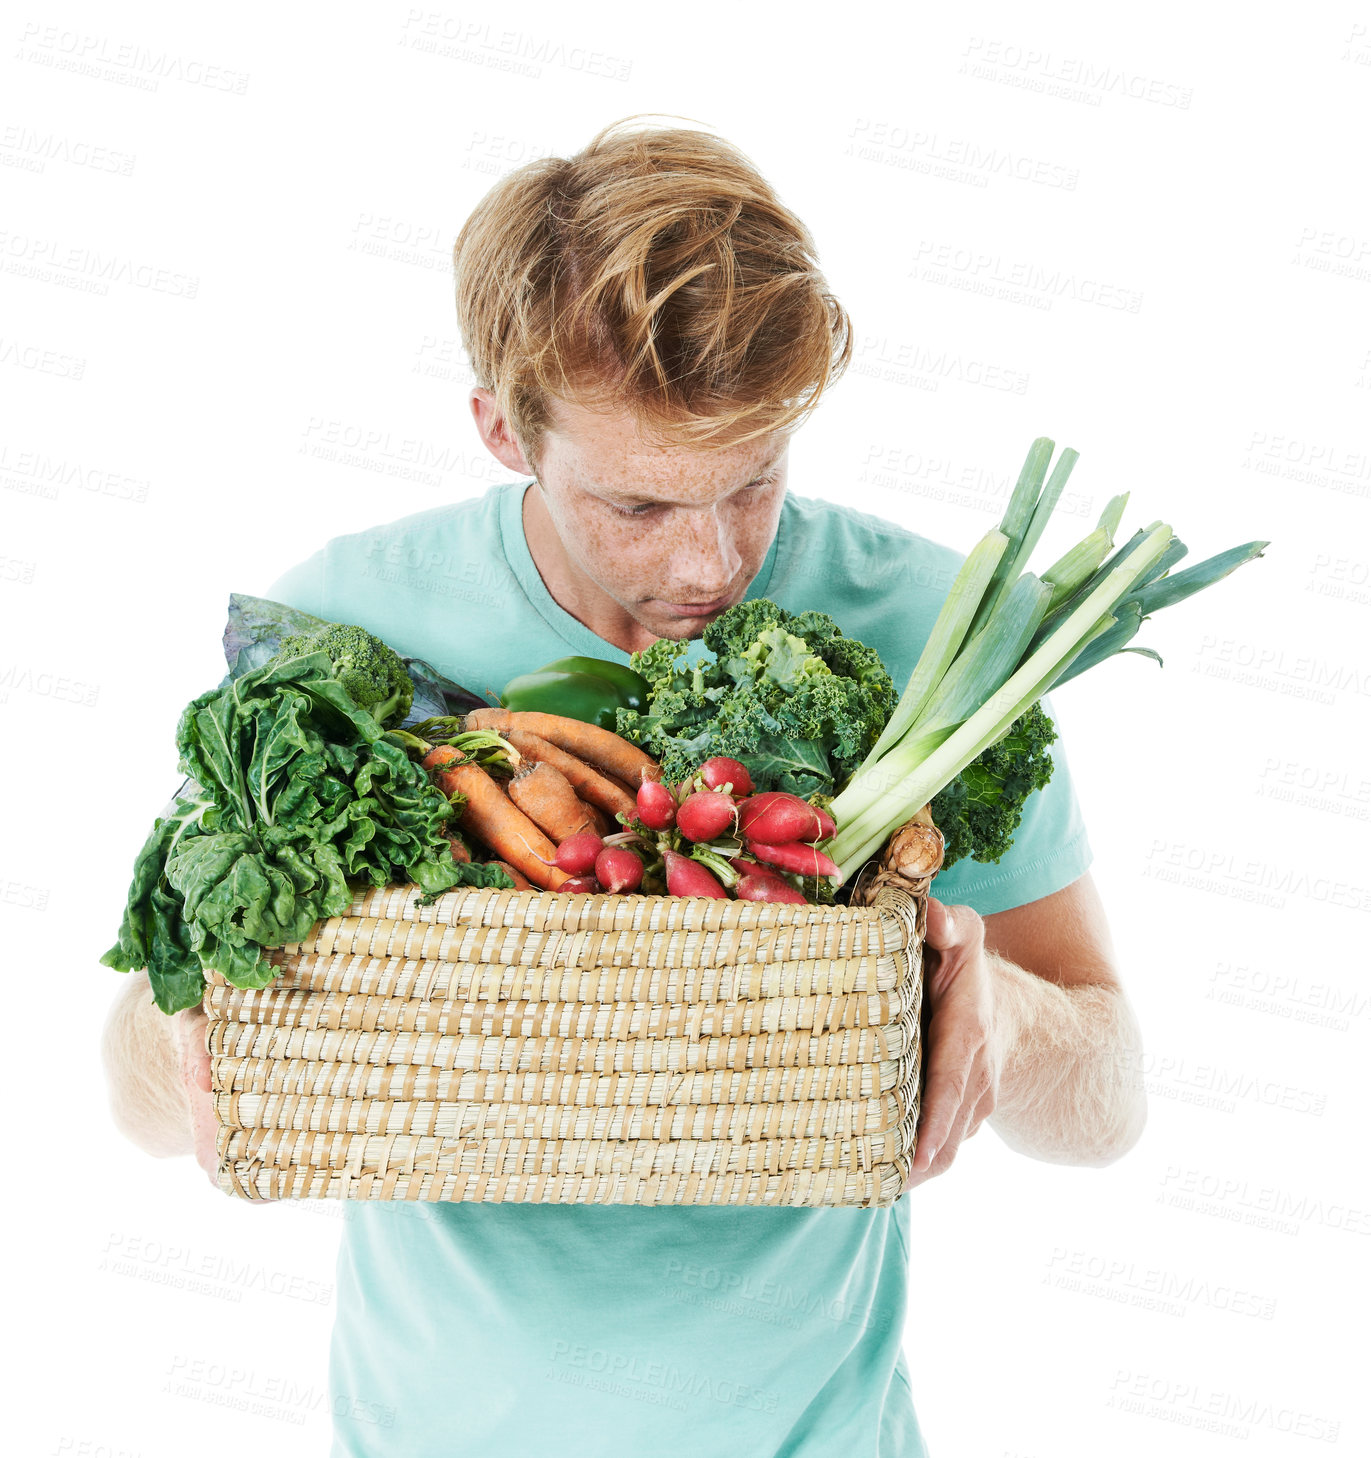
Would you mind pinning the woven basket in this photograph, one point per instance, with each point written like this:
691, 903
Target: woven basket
531, 1046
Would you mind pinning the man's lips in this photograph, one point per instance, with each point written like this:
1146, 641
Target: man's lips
697, 609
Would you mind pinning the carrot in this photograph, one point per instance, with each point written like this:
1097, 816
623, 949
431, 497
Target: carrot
491, 817
589, 784
545, 796
521, 882
602, 821
605, 750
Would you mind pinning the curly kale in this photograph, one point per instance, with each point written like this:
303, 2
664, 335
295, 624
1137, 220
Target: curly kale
373, 674
787, 694
980, 810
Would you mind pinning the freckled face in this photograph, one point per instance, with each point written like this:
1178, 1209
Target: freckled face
673, 534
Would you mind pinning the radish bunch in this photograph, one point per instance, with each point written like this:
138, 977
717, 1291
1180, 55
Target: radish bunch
709, 835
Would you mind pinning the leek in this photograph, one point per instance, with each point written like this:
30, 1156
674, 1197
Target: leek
1004, 637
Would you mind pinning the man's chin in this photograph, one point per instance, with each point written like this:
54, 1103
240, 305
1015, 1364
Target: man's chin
680, 630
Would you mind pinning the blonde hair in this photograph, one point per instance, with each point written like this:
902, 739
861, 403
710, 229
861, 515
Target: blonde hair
654, 269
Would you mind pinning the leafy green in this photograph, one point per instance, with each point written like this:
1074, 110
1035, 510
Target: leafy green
979, 811
786, 693
373, 674
257, 626
296, 792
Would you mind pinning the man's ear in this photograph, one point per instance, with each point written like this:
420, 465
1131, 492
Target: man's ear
495, 432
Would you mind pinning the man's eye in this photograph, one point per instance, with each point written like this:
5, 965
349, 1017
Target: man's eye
649, 506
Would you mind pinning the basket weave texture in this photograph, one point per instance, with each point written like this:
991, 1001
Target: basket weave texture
530, 1046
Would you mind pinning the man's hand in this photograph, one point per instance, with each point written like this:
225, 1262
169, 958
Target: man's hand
188, 1030
963, 1052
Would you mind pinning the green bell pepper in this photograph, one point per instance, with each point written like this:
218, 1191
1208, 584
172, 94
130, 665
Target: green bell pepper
590, 689
633, 687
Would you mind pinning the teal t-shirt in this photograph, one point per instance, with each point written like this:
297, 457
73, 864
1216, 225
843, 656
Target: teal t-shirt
519, 1330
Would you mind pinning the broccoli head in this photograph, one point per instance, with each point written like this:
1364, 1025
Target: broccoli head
373, 674
979, 811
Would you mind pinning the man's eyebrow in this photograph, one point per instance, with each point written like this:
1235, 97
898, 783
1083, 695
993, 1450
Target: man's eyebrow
628, 497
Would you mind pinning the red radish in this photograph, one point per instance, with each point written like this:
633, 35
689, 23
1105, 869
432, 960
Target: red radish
685, 877
576, 854
778, 818
585, 885
705, 814
721, 771
768, 888
656, 805
745, 867
796, 856
826, 826
618, 869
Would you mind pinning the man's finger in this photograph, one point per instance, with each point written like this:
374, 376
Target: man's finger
949, 1067
948, 926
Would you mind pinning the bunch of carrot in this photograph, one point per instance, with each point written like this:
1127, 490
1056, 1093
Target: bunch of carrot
524, 783
563, 805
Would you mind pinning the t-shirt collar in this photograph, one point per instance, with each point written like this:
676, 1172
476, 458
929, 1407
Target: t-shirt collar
575, 633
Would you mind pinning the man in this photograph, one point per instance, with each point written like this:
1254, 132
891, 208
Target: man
647, 326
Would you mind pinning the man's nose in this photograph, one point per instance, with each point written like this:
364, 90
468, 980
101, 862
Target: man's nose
704, 557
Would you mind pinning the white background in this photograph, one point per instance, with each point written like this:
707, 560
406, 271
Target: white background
1178, 198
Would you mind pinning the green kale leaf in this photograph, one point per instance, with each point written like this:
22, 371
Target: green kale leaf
786, 693
979, 811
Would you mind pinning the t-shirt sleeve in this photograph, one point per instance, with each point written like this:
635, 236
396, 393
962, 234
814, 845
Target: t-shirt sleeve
303, 586
1050, 849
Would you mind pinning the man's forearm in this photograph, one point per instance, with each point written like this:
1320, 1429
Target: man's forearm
1070, 1088
142, 1068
